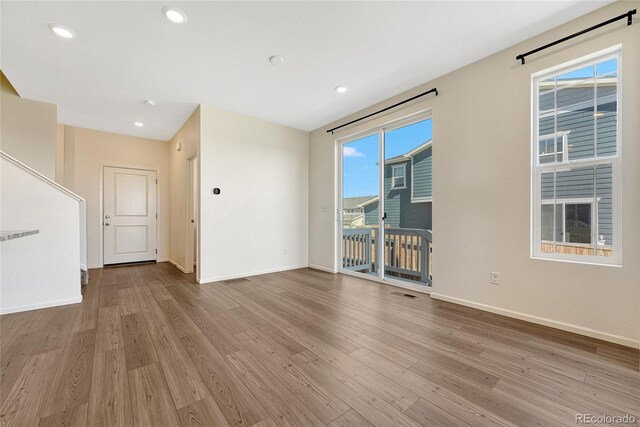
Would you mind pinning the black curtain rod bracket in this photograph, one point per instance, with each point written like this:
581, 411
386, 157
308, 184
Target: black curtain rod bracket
434, 90
628, 15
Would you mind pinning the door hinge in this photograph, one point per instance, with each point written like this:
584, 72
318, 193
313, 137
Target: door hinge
156, 251
156, 180
156, 216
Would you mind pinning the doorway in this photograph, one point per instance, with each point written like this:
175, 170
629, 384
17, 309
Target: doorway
385, 207
192, 241
129, 215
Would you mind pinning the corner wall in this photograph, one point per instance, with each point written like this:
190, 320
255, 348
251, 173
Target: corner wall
189, 137
481, 190
28, 130
259, 221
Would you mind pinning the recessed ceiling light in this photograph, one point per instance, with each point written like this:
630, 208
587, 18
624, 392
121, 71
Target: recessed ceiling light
276, 60
138, 124
64, 32
150, 103
341, 89
174, 15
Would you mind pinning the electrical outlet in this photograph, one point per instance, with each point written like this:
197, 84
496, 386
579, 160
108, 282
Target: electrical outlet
495, 278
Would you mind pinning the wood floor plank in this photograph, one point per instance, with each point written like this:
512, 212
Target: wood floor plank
183, 380
439, 397
138, 348
128, 301
151, 403
283, 407
109, 329
55, 335
73, 377
177, 318
23, 405
109, 403
367, 403
74, 417
203, 413
13, 358
236, 402
390, 391
350, 419
324, 404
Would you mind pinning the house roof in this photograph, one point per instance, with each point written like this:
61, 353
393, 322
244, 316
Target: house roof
355, 202
351, 217
408, 155
368, 202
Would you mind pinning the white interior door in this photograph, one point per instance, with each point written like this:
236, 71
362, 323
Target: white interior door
129, 215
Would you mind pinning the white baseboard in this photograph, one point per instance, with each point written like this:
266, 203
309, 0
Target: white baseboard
253, 273
321, 268
41, 305
176, 265
617, 339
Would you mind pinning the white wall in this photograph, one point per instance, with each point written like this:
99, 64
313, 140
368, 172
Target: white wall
28, 130
189, 138
41, 270
481, 193
262, 171
87, 151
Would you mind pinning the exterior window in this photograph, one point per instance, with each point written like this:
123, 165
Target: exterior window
575, 161
552, 149
398, 177
573, 223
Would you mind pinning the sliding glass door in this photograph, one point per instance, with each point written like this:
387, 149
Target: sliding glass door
386, 185
359, 218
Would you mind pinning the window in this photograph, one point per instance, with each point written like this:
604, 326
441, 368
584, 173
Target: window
550, 152
575, 161
398, 177
573, 222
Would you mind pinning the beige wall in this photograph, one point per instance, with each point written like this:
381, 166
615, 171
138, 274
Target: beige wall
87, 151
60, 154
28, 130
189, 137
481, 193
259, 222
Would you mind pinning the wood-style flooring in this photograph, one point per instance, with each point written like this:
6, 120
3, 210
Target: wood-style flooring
148, 346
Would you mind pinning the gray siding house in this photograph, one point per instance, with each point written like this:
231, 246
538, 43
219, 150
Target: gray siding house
583, 195
407, 191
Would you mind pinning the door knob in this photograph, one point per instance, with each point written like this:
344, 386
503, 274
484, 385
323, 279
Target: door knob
106, 224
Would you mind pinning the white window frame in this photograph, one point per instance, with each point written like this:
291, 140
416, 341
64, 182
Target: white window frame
394, 176
565, 147
614, 160
572, 201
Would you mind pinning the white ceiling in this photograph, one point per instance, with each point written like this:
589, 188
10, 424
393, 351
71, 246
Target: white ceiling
127, 52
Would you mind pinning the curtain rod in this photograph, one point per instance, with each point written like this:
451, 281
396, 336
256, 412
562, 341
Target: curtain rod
434, 90
628, 15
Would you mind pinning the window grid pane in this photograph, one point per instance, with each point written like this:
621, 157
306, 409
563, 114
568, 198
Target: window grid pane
577, 121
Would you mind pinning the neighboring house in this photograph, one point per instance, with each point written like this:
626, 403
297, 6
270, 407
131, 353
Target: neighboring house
407, 191
583, 194
353, 212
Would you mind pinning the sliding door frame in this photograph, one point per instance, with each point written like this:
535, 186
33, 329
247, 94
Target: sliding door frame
380, 130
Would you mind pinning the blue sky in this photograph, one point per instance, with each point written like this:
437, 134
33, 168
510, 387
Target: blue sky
360, 167
606, 67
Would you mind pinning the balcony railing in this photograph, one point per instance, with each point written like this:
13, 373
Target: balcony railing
407, 252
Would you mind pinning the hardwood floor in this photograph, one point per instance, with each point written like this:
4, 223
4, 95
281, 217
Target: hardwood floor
148, 346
